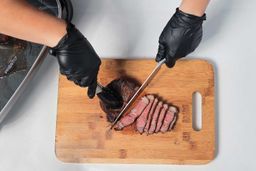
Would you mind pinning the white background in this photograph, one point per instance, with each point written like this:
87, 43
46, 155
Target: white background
130, 28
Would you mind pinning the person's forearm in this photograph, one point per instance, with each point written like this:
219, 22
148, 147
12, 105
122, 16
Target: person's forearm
195, 7
21, 20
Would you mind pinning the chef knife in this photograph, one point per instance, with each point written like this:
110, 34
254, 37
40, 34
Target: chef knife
142, 87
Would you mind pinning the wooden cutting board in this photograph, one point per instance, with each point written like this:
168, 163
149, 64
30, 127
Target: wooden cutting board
82, 135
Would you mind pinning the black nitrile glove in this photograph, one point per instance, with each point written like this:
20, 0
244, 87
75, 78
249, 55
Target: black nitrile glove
77, 59
181, 36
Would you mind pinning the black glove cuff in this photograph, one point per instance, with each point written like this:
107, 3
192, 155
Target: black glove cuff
66, 38
191, 17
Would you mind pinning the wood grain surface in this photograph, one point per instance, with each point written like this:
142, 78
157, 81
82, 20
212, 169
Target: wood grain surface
82, 135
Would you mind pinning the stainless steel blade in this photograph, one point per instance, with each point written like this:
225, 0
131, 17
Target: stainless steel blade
142, 87
98, 88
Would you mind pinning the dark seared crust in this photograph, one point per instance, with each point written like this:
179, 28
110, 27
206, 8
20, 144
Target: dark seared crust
125, 87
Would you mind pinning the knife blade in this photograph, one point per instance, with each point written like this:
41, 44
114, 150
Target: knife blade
142, 87
99, 88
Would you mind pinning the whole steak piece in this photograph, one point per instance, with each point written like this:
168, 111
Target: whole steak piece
124, 87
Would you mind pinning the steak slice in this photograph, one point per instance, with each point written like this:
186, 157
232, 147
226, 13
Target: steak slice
142, 120
134, 114
155, 117
169, 117
172, 124
161, 117
150, 115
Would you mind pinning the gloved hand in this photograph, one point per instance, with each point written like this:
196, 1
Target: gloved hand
181, 36
77, 59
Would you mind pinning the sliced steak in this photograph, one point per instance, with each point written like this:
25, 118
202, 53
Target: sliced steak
161, 117
175, 111
142, 120
172, 124
134, 114
155, 117
169, 117
150, 115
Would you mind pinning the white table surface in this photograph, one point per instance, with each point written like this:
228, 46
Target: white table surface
130, 28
